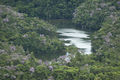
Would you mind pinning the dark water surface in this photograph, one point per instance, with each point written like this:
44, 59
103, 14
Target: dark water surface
72, 36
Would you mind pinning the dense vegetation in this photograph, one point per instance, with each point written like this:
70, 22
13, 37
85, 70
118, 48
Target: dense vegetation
25, 41
92, 13
46, 9
32, 33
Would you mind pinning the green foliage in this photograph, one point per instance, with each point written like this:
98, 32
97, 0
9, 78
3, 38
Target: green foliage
106, 40
65, 73
33, 34
91, 14
25, 40
42, 72
47, 9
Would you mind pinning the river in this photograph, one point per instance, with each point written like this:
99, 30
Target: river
73, 36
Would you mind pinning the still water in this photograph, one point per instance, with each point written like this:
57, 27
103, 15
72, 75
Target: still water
76, 37
73, 36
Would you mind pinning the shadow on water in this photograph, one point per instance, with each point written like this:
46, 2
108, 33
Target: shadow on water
62, 23
72, 35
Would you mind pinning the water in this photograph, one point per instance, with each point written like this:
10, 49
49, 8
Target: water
75, 37
72, 36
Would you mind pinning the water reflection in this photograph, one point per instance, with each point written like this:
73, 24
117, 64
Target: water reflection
75, 37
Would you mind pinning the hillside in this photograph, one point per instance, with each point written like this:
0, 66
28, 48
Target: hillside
30, 48
31, 33
102, 18
45, 9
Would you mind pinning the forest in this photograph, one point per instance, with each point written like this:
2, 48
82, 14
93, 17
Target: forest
31, 50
